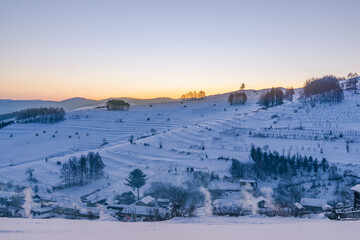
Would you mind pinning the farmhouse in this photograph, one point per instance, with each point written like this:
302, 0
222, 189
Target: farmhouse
146, 207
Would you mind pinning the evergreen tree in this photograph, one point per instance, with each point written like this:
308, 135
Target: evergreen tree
136, 180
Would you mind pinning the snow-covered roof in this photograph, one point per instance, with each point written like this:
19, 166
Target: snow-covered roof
219, 185
356, 188
313, 202
43, 210
6, 195
326, 207
143, 210
226, 202
247, 181
298, 205
146, 200
259, 199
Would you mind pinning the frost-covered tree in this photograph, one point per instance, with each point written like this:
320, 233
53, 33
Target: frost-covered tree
237, 98
83, 170
271, 98
289, 93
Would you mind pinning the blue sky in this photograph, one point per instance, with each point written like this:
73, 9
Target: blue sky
99, 49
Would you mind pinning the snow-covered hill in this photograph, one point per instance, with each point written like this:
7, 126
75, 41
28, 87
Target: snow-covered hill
7, 105
192, 134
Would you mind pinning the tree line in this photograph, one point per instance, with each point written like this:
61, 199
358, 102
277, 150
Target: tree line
40, 114
83, 170
193, 95
273, 164
6, 123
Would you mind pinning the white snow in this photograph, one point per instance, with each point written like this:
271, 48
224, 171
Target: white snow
180, 229
356, 188
146, 200
313, 202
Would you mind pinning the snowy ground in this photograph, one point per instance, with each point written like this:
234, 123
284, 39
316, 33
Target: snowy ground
212, 228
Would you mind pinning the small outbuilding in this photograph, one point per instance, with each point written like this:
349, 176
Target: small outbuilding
356, 190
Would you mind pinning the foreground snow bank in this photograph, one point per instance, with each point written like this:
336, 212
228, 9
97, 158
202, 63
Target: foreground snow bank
211, 228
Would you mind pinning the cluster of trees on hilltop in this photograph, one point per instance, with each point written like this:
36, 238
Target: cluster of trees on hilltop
193, 95
41, 114
119, 105
237, 98
83, 170
352, 82
325, 89
289, 93
271, 98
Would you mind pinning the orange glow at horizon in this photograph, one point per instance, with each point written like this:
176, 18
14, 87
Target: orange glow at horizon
53, 91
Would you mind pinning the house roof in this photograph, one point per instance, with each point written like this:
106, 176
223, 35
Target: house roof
226, 202
143, 210
247, 181
356, 188
313, 202
219, 185
298, 205
259, 199
146, 200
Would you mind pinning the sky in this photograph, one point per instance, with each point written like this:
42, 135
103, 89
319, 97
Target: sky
54, 50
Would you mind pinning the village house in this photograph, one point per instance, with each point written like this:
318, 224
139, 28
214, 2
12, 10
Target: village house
147, 207
313, 205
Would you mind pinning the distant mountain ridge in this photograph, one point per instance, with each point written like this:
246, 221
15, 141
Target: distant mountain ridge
8, 105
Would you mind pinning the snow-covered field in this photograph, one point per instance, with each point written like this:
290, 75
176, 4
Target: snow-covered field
211, 228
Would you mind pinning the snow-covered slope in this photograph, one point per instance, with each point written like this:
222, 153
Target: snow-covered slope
192, 134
